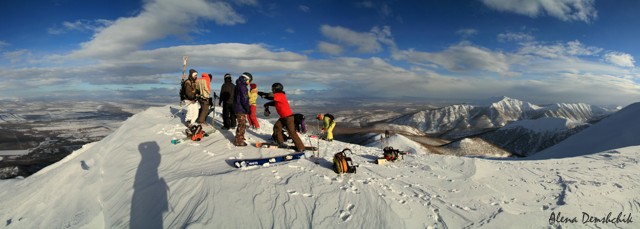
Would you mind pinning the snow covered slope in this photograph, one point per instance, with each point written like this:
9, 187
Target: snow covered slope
619, 130
526, 137
135, 177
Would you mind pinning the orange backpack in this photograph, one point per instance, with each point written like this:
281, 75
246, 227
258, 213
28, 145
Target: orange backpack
342, 163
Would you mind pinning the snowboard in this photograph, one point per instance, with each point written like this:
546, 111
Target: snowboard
275, 146
239, 163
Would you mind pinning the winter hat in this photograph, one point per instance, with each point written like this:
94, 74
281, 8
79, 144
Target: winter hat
253, 86
319, 117
191, 71
227, 75
204, 74
248, 76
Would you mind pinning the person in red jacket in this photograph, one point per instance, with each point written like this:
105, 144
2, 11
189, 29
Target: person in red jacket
286, 117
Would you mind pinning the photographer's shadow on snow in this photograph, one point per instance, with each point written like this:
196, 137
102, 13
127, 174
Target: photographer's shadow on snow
149, 200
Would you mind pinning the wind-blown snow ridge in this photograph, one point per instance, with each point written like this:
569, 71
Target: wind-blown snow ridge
136, 178
616, 131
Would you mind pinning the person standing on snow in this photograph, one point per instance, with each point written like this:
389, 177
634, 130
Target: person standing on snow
204, 98
226, 101
192, 105
286, 117
241, 106
253, 98
328, 123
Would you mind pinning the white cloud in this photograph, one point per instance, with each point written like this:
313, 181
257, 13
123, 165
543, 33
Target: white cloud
365, 42
158, 19
620, 59
559, 50
515, 37
304, 8
18, 57
247, 2
462, 58
290, 30
80, 25
465, 33
3, 44
329, 48
566, 10
365, 4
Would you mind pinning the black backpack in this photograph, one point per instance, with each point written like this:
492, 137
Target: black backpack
183, 90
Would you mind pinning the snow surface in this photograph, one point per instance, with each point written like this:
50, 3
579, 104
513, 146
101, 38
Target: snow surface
136, 178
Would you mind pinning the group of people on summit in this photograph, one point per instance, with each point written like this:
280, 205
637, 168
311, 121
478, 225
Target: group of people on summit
239, 105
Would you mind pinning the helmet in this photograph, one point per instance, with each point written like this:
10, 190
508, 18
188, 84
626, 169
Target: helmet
277, 87
247, 76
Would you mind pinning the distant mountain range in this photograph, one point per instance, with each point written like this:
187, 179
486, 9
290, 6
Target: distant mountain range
520, 127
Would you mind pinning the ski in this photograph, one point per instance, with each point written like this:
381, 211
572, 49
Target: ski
276, 146
239, 163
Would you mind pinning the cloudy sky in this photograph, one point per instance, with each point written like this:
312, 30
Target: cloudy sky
535, 50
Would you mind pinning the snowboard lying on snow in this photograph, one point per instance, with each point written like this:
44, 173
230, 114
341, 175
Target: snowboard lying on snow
275, 146
239, 163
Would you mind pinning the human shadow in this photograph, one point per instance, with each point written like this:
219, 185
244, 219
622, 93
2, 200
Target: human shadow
149, 200
322, 162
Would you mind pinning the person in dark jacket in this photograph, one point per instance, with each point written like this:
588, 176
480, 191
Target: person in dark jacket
298, 120
226, 101
241, 106
286, 117
191, 99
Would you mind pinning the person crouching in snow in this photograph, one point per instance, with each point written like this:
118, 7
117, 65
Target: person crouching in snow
241, 106
253, 98
328, 123
191, 99
286, 117
298, 119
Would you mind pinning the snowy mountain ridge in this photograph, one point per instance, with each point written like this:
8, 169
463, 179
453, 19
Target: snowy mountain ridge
136, 178
461, 120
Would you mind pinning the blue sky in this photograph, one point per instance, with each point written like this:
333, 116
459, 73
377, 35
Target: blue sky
537, 50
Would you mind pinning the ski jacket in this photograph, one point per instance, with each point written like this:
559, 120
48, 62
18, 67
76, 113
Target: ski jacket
190, 86
241, 100
281, 104
298, 120
253, 96
226, 92
207, 78
327, 120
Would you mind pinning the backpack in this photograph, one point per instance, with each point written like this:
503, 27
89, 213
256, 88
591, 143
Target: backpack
202, 90
197, 133
342, 163
183, 90
390, 154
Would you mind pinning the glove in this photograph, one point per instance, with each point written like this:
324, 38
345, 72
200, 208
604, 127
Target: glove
266, 112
